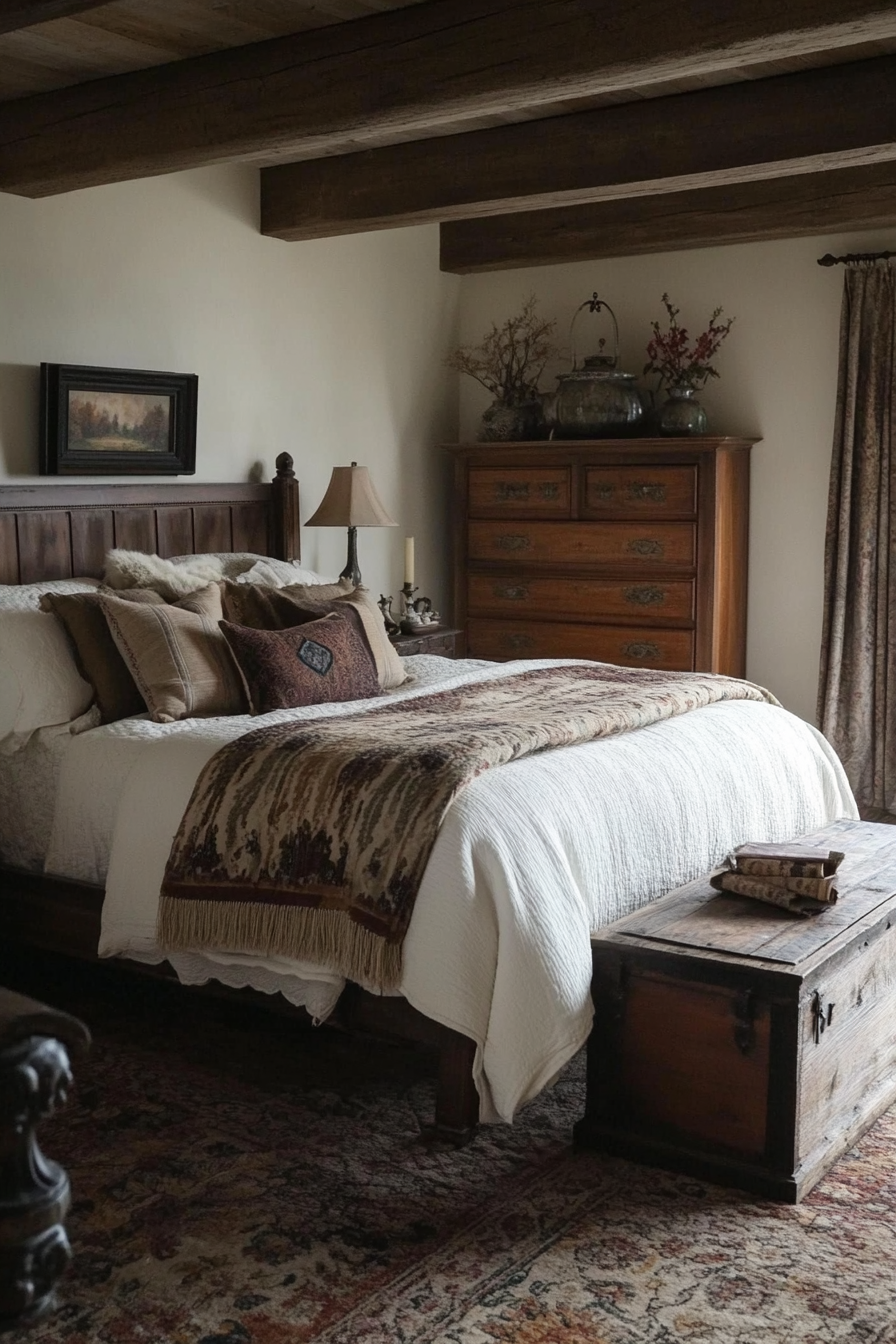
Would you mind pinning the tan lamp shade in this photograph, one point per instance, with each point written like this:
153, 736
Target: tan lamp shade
351, 501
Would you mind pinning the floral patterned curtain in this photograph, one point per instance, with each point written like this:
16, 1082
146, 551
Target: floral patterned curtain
857, 683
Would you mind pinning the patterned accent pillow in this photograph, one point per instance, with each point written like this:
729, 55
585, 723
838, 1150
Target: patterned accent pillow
177, 655
325, 660
278, 608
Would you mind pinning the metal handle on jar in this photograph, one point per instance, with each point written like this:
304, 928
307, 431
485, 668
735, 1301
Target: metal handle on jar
594, 305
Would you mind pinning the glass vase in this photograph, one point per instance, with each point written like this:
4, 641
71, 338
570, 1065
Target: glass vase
682, 414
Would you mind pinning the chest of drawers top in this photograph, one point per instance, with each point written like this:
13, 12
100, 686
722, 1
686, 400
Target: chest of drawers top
600, 479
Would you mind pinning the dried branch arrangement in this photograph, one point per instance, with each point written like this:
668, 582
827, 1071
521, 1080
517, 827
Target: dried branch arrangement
510, 359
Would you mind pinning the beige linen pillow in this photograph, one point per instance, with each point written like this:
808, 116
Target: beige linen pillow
178, 658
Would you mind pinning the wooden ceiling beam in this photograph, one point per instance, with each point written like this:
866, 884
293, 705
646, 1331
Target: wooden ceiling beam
747, 212
430, 69
837, 116
16, 14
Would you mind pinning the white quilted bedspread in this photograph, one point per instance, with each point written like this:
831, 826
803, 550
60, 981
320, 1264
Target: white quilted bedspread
529, 859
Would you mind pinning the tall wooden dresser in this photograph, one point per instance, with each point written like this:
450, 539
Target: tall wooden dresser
630, 551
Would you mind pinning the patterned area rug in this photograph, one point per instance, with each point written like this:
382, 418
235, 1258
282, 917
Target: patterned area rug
241, 1181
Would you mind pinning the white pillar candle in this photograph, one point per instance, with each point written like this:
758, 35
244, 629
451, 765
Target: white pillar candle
409, 560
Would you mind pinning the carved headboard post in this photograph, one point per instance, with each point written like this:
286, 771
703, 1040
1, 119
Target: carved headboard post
285, 511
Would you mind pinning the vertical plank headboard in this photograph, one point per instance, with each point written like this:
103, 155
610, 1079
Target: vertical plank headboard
58, 531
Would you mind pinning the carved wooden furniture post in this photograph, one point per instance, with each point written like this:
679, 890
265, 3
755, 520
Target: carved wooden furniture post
34, 1191
285, 519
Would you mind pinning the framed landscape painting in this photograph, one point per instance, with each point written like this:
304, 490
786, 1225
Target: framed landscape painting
98, 422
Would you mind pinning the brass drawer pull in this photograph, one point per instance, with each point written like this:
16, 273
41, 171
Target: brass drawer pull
512, 541
641, 649
513, 592
507, 490
604, 493
517, 641
646, 546
645, 596
647, 490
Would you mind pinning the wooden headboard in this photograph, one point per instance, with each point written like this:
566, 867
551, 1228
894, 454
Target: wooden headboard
58, 531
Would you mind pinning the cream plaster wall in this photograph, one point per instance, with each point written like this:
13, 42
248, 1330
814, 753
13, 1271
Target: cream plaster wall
330, 350
778, 381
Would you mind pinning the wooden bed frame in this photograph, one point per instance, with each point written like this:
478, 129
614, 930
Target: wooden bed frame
59, 531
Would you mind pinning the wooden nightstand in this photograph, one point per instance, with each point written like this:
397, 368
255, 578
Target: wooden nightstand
438, 640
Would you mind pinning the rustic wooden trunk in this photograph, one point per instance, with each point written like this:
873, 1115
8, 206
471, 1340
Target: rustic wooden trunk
740, 1043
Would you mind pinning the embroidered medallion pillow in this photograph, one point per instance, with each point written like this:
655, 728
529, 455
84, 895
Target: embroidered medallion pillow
278, 608
324, 660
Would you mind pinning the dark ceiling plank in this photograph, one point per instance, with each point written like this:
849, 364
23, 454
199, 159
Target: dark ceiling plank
841, 115
16, 14
748, 212
429, 69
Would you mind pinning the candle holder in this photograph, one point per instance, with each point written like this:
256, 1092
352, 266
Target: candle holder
407, 600
410, 617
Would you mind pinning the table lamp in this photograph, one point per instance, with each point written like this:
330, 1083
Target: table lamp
351, 501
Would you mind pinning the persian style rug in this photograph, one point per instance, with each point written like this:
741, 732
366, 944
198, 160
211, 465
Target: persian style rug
240, 1180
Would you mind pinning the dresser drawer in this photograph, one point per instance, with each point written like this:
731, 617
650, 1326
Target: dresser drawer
519, 492
519, 595
646, 543
648, 490
631, 646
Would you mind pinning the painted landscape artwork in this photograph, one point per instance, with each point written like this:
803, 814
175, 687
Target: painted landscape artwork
118, 422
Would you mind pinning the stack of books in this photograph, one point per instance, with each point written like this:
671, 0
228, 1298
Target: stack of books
801, 881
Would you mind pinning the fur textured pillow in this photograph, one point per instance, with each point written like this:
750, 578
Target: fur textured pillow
134, 569
240, 564
321, 661
177, 655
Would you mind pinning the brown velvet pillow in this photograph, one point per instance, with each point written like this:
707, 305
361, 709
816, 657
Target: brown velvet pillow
263, 608
324, 660
96, 653
279, 608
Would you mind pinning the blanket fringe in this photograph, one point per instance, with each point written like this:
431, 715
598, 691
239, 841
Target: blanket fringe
329, 937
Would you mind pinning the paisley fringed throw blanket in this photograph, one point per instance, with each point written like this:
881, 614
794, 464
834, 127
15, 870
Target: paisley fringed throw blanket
309, 840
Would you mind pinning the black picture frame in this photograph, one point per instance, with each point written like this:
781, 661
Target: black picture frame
103, 422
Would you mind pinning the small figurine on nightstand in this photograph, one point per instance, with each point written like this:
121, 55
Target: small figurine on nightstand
385, 606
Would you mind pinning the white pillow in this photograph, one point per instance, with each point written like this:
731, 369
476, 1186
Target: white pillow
26, 596
280, 573
40, 686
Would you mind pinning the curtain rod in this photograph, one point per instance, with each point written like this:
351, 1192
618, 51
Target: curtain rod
829, 260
